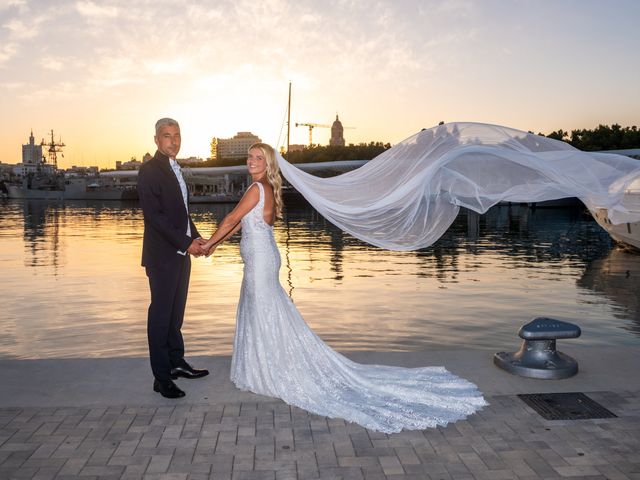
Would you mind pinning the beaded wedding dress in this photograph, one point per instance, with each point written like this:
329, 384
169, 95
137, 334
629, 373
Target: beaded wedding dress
277, 354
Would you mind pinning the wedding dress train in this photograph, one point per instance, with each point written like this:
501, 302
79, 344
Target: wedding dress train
277, 354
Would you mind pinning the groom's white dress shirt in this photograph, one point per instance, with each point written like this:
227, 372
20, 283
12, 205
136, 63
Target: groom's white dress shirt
185, 193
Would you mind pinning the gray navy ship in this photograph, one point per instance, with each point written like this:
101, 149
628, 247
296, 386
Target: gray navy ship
41, 179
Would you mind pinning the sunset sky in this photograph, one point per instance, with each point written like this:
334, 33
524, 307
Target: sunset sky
101, 72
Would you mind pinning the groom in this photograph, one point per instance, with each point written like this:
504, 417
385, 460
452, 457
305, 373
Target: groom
170, 236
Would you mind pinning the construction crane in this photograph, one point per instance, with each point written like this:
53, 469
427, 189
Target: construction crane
311, 127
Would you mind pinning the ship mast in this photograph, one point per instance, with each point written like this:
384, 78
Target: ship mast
289, 118
54, 149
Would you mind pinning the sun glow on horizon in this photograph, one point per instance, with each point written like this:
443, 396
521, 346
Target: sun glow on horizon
101, 74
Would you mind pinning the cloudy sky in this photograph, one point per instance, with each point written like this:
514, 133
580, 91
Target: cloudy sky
101, 72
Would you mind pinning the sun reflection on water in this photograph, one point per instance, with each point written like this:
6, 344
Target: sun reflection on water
73, 285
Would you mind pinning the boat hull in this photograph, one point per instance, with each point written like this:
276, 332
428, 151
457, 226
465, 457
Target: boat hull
14, 191
625, 233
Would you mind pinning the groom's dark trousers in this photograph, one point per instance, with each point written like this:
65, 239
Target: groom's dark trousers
165, 233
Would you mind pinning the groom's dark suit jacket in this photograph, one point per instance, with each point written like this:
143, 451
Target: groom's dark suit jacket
165, 217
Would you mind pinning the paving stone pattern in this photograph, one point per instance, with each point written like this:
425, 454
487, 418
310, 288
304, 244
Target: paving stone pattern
272, 440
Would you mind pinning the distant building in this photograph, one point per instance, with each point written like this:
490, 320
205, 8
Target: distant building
7, 169
337, 134
191, 161
132, 164
31, 156
294, 147
81, 171
231, 148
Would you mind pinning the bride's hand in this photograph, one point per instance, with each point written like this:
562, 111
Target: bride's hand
210, 251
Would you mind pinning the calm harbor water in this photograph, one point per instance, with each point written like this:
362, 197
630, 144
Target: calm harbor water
72, 285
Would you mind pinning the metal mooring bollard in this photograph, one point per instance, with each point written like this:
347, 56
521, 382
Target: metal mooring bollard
538, 357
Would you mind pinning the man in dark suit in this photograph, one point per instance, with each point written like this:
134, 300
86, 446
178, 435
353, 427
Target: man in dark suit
170, 236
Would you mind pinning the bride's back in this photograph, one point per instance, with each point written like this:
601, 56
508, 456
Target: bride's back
269, 212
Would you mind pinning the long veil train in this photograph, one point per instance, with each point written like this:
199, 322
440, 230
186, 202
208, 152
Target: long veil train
408, 196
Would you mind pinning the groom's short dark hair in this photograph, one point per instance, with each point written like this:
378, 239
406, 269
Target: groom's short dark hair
164, 122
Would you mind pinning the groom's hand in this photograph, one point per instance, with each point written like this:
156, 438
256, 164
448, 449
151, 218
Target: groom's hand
196, 248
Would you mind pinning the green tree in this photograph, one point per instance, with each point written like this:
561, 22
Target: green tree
318, 153
559, 135
603, 137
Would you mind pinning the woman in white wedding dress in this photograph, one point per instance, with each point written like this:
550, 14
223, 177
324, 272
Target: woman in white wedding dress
278, 355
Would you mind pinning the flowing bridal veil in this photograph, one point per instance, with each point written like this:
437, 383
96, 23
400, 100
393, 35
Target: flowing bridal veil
408, 196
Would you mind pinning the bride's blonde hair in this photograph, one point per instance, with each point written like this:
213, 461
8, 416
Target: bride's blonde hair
273, 174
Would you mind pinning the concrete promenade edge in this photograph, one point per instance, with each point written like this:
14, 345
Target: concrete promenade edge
99, 418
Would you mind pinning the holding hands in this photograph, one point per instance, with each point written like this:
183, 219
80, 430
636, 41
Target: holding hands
200, 247
210, 246
197, 248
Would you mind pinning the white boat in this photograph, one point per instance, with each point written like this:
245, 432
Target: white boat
625, 233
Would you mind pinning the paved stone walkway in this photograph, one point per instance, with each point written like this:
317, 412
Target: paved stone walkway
270, 440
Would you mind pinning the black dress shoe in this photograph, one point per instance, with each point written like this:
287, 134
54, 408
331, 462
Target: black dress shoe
167, 389
187, 371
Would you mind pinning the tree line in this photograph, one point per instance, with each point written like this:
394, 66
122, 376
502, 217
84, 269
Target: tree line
327, 153
315, 154
604, 137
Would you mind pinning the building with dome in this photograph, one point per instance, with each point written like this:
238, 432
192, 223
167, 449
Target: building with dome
337, 134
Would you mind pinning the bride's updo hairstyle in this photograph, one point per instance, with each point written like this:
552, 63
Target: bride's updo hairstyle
273, 174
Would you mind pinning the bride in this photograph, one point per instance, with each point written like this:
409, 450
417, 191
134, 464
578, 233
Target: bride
404, 199
277, 354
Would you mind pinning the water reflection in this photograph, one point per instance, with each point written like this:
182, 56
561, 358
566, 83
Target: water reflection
78, 289
617, 277
41, 234
523, 236
516, 231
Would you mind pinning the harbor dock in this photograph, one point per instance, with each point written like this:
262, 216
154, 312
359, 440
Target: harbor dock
99, 418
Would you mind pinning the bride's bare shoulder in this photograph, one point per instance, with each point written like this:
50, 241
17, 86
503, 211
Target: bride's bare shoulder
268, 189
